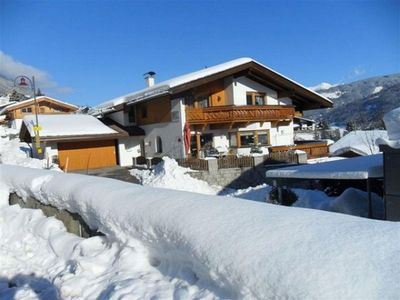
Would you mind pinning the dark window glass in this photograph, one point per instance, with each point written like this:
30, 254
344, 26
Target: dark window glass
249, 99
246, 138
206, 139
259, 100
159, 145
263, 137
202, 101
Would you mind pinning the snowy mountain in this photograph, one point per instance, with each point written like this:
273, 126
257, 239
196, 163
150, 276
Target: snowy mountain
363, 102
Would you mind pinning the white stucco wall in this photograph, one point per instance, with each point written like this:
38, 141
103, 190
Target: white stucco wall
242, 85
282, 135
128, 148
118, 116
171, 133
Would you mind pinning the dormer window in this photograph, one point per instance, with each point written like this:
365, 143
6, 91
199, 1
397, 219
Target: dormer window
254, 98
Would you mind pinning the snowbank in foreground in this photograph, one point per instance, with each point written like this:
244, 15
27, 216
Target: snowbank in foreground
14, 152
40, 261
237, 249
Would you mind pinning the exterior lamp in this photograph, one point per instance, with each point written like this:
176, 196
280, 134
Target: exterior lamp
25, 82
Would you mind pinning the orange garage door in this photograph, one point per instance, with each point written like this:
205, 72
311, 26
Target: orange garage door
87, 155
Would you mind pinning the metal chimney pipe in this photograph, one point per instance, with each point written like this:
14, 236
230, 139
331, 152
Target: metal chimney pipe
150, 78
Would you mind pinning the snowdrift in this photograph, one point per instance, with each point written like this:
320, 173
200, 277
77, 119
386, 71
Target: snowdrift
238, 249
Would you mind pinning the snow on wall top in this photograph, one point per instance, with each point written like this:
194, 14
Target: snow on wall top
66, 125
239, 249
359, 141
352, 168
164, 86
14, 104
392, 124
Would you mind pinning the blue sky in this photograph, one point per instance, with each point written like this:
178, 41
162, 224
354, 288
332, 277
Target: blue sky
87, 52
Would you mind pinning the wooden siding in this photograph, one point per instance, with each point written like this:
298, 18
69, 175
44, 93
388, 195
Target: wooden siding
235, 114
87, 155
158, 111
45, 106
313, 150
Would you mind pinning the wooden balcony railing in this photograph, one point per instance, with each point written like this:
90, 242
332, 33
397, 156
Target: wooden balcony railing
313, 150
229, 114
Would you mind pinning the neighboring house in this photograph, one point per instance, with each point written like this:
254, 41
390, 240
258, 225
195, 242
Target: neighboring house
234, 107
358, 143
15, 112
76, 142
301, 123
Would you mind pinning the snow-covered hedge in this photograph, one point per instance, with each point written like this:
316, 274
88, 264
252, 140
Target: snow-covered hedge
238, 249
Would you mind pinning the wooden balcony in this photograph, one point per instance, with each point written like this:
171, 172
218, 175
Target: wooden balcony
238, 114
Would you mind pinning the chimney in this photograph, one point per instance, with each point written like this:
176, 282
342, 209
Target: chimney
149, 77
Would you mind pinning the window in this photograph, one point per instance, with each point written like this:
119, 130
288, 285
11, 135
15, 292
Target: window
27, 109
132, 115
249, 99
143, 112
206, 139
159, 145
42, 110
263, 137
246, 138
202, 101
253, 98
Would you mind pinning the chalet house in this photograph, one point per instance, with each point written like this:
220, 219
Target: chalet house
14, 113
74, 141
237, 107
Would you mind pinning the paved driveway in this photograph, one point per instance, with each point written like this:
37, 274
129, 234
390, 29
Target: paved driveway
117, 172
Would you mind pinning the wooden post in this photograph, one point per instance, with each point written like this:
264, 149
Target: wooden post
238, 139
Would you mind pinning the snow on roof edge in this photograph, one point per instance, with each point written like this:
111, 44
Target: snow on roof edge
15, 104
185, 78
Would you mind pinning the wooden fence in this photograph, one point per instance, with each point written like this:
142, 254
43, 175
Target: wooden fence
232, 161
193, 163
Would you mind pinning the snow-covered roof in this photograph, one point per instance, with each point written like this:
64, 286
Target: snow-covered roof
39, 98
361, 142
352, 168
165, 86
67, 125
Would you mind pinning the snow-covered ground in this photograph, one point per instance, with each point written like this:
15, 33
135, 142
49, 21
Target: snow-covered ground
168, 244
14, 152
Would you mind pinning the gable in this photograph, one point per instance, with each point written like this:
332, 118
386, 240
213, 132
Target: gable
42, 101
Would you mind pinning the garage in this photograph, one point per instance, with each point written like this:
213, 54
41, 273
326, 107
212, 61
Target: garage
76, 142
84, 155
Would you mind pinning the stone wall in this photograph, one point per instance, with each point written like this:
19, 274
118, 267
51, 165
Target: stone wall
73, 222
233, 177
